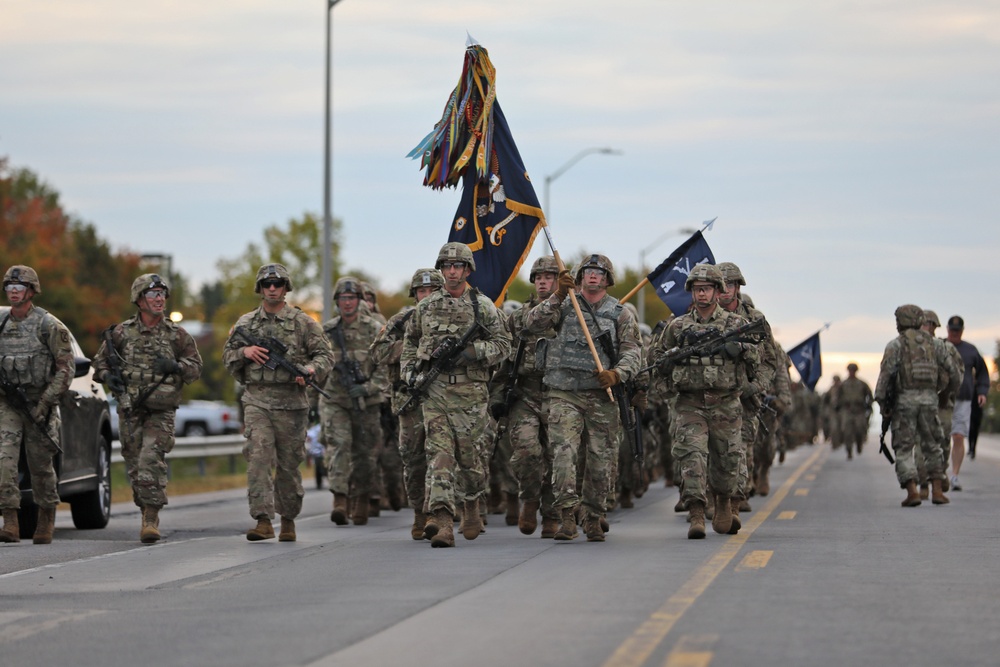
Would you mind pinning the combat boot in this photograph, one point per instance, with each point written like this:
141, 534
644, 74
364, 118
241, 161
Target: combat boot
528, 519
709, 506
339, 513
495, 499
945, 483
374, 510
46, 525
472, 523
11, 527
722, 521
734, 507
431, 527
763, 484
262, 531
625, 499
567, 529
744, 505
592, 529
445, 535
150, 525
912, 497
681, 506
395, 496
419, 524
513, 510
605, 526
937, 495
287, 533
361, 505
550, 526
925, 491
696, 511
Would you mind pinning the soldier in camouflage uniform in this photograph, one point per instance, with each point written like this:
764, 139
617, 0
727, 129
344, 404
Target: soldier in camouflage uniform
829, 418
756, 388
582, 421
946, 406
526, 416
852, 406
275, 405
351, 417
455, 405
36, 360
385, 352
914, 365
708, 416
155, 358
779, 398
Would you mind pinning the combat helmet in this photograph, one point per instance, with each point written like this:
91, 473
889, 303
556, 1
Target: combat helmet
731, 273
708, 273
909, 317
19, 273
348, 285
930, 317
596, 262
544, 264
425, 278
148, 281
273, 271
455, 252
852, 367
510, 306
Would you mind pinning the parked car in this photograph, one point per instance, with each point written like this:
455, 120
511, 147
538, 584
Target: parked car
84, 466
196, 419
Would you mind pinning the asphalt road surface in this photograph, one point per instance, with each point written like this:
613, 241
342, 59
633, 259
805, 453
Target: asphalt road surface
828, 570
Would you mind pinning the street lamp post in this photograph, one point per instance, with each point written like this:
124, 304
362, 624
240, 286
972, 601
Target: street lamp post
641, 306
563, 169
327, 272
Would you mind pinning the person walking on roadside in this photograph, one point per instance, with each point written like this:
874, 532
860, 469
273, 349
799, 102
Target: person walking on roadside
975, 386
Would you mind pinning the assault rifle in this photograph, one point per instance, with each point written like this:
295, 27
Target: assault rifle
501, 409
275, 357
124, 400
348, 369
18, 400
707, 342
443, 359
887, 406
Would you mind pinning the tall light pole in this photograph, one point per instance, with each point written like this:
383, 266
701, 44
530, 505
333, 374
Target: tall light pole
327, 272
563, 169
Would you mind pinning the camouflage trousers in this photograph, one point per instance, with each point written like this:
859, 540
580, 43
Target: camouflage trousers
748, 435
455, 423
707, 445
353, 441
854, 429
276, 447
146, 439
915, 425
414, 456
14, 428
944, 417
531, 454
501, 472
583, 425
390, 464
765, 446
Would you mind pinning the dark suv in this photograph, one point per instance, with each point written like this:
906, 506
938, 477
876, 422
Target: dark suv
84, 466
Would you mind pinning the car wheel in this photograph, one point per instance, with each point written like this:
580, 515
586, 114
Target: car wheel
195, 430
93, 509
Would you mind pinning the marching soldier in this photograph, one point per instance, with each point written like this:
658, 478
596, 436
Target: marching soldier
148, 362
852, 405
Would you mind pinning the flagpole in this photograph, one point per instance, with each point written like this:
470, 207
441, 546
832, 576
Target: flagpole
576, 307
706, 225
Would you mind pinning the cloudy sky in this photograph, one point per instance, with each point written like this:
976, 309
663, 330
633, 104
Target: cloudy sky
851, 150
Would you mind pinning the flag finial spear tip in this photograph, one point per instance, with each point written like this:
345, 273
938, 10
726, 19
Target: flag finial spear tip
470, 40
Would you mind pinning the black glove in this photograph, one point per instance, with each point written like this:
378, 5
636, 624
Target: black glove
733, 350
358, 391
498, 410
115, 384
166, 366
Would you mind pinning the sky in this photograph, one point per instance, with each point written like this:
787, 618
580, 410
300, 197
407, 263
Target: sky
850, 150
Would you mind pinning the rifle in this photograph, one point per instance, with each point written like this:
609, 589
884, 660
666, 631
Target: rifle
348, 369
442, 359
509, 391
18, 400
275, 357
706, 343
124, 400
887, 406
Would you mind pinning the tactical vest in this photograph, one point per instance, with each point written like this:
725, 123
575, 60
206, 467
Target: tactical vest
529, 367
283, 330
447, 316
567, 360
26, 361
716, 372
918, 367
140, 349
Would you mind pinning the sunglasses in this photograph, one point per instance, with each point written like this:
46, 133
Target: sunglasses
454, 265
15, 287
272, 283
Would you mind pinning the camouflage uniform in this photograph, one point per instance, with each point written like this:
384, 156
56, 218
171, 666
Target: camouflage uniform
852, 405
147, 434
916, 366
276, 408
779, 397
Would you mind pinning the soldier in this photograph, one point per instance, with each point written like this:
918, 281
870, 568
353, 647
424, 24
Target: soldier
756, 387
708, 416
779, 398
150, 359
582, 420
385, 351
36, 368
912, 365
275, 405
455, 405
853, 408
351, 417
370, 306
829, 419
946, 407
531, 460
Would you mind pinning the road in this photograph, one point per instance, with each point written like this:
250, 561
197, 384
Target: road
828, 570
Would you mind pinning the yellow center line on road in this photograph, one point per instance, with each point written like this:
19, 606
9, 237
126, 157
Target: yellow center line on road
635, 651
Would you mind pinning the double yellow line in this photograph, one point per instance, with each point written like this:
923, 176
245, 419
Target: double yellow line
635, 651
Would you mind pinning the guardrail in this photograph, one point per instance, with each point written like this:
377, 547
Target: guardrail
200, 448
